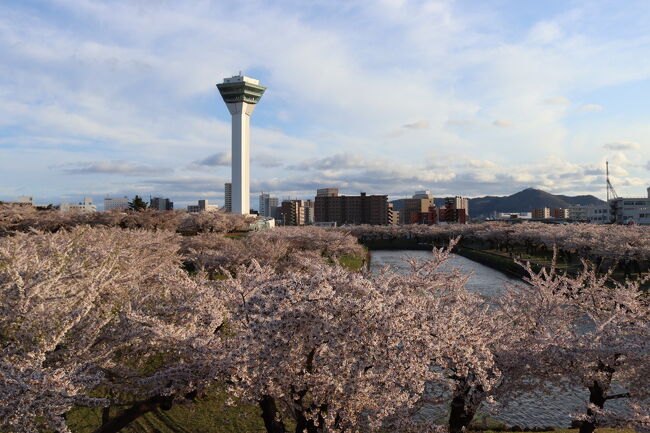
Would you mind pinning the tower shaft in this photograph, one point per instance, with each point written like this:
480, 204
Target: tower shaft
241, 94
241, 112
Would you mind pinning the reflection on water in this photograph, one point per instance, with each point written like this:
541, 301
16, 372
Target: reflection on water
530, 410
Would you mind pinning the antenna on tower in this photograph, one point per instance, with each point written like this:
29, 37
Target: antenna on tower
611, 192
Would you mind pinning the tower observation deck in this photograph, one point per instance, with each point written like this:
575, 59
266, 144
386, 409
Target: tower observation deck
241, 94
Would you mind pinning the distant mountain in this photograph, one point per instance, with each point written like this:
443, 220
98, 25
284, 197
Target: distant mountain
526, 201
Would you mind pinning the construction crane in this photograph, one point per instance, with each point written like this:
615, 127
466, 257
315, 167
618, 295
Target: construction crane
611, 192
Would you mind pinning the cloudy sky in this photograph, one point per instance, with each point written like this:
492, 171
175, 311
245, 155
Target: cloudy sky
462, 97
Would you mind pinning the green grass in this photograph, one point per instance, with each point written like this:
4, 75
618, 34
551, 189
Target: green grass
206, 415
353, 263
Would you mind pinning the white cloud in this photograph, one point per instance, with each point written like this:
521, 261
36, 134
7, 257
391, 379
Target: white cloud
421, 124
216, 159
115, 167
590, 107
140, 87
622, 145
502, 123
558, 100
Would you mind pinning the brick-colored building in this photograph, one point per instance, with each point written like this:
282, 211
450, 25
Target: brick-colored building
541, 213
353, 209
430, 217
560, 213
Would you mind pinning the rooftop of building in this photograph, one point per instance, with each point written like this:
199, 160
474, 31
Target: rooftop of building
241, 78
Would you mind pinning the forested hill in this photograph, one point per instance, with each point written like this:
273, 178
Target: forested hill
525, 201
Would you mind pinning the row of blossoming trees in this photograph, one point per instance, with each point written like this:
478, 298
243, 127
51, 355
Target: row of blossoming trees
24, 218
601, 244
111, 318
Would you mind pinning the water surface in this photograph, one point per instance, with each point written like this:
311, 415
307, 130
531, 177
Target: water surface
530, 410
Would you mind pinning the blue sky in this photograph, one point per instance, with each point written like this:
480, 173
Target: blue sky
458, 97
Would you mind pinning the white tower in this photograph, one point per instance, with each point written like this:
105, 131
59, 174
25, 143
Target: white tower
241, 94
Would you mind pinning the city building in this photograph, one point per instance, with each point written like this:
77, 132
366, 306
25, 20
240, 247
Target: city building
241, 95
513, 215
329, 206
455, 210
560, 213
541, 213
393, 215
26, 200
227, 196
630, 210
85, 206
116, 203
202, 206
410, 208
426, 195
429, 217
267, 204
594, 214
327, 192
292, 213
310, 212
160, 203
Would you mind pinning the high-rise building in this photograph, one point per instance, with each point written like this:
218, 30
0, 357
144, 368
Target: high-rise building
228, 196
241, 94
327, 192
455, 210
160, 203
310, 212
356, 209
292, 213
116, 203
267, 204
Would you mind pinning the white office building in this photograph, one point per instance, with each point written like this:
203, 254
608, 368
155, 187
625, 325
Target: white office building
85, 206
594, 214
631, 210
24, 199
116, 203
513, 215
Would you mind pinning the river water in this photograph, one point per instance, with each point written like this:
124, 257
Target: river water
530, 410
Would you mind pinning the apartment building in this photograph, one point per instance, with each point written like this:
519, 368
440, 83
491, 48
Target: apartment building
329, 206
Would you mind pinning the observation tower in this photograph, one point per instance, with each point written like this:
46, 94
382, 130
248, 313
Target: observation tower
241, 94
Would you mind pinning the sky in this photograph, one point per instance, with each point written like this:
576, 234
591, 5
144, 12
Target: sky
459, 97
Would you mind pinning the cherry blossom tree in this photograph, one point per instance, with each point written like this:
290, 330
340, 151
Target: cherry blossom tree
100, 317
593, 332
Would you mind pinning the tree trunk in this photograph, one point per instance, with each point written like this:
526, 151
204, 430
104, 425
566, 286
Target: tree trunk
461, 414
597, 398
270, 415
135, 412
106, 415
